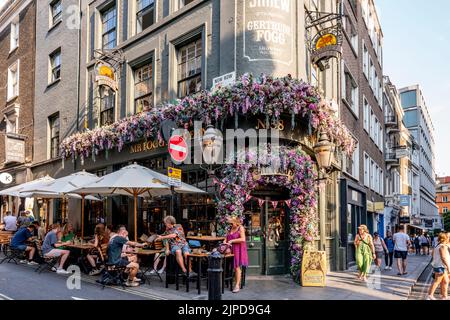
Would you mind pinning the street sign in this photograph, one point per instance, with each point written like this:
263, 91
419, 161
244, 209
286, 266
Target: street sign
405, 200
6, 178
174, 177
178, 148
225, 80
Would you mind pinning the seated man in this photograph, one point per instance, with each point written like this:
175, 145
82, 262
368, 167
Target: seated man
115, 246
177, 242
19, 240
51, 245
10, 222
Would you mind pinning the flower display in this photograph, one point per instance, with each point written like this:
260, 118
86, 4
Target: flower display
265, 95
239, 181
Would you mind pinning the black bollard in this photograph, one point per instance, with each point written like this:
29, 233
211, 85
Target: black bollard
215, 276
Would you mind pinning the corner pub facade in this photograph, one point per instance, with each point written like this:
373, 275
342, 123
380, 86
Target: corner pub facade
159, 51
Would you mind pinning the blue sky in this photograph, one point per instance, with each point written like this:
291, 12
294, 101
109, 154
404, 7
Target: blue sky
416, 51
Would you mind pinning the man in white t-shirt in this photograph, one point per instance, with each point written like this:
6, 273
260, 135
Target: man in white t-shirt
10, 222
402, 243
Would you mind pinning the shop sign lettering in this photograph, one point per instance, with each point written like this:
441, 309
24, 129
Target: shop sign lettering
269, 30
146, 146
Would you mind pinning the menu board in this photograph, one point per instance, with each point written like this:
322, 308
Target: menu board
314, 269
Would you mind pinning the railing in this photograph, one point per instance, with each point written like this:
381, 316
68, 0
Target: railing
391, 119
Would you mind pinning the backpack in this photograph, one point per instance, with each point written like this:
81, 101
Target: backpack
110, 278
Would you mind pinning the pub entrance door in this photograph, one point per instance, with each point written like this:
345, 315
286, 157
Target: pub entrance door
267, 237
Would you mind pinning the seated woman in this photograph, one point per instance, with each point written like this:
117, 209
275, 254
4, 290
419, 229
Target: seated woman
67, 234
100, 238
178, 244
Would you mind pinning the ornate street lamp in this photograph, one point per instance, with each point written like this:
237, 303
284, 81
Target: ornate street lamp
212, 142
324, 150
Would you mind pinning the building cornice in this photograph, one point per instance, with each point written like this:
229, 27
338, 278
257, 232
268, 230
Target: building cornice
11, 11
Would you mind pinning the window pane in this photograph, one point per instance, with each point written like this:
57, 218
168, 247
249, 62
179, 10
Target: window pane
409, 99
190, 68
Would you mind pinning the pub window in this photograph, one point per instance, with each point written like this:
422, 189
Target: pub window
143, 88
107, 105
145, 14
109, 24
190, 68
54, 135
55, 66
56, 12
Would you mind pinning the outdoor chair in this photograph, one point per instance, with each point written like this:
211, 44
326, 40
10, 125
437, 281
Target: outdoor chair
173, 272
45, 263
13, 254
111, 274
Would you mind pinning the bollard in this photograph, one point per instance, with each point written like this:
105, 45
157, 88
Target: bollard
215, 276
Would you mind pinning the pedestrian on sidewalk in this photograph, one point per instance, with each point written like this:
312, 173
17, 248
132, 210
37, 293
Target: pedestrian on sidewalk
401, 242
380, 249
389, 255
425, 244
417, 244
441, 267
365, 252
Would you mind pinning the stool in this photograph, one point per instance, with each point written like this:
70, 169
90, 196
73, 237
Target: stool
228, 272
244, 269
173, 270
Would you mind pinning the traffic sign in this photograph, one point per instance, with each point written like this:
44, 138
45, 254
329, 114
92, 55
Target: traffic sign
174, 177
178, 148
6, 178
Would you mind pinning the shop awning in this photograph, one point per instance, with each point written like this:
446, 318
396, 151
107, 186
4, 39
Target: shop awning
418, 227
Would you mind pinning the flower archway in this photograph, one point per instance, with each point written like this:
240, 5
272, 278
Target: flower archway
237, 183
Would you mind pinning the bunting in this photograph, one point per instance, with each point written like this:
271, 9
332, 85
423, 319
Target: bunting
274, 204
261, 202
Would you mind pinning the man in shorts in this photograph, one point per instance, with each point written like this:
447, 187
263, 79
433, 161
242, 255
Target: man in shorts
50, 248
178, 244
116, 243
19, 242
402, 243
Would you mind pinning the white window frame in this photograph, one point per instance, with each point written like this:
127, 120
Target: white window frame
14, 35
366, 170
366, 111
15, 67
365, 60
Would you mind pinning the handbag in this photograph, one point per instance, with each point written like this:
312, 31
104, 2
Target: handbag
224, 248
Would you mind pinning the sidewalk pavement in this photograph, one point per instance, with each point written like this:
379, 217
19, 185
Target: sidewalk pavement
340, 286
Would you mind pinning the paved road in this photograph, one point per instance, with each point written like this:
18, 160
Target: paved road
20, 282
420, 290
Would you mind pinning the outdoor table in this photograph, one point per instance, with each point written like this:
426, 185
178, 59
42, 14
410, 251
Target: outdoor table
210, 240
147, 253
80, 246
199, 257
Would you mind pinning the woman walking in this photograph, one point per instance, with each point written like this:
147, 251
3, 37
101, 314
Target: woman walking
365, 252
236, 238
441, 267
380, 249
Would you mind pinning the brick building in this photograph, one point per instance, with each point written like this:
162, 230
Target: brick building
361, 109
443, 195
17, 62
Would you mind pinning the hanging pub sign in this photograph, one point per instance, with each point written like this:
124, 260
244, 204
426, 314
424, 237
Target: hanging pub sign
106, 76
326, 44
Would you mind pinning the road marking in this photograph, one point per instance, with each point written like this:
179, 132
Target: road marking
3, 297
76, 298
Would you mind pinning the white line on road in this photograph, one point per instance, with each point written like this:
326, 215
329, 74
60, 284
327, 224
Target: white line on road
76, 298
3, 297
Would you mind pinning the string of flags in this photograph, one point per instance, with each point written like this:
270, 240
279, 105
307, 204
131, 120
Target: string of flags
261, 202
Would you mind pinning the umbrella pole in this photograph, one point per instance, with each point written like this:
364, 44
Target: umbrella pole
82, 216
135, 215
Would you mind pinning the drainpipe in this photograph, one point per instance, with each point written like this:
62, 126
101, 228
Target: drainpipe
78, 75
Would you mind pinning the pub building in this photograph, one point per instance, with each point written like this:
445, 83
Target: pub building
178, 52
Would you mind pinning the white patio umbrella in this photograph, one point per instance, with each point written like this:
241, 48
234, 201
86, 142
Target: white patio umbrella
133, 180
15, 191
63, 188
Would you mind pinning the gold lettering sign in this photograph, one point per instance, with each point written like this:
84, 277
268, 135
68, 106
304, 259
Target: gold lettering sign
146, 146
326, 40
314, 269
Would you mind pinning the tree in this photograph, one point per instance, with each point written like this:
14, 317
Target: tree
446, 217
